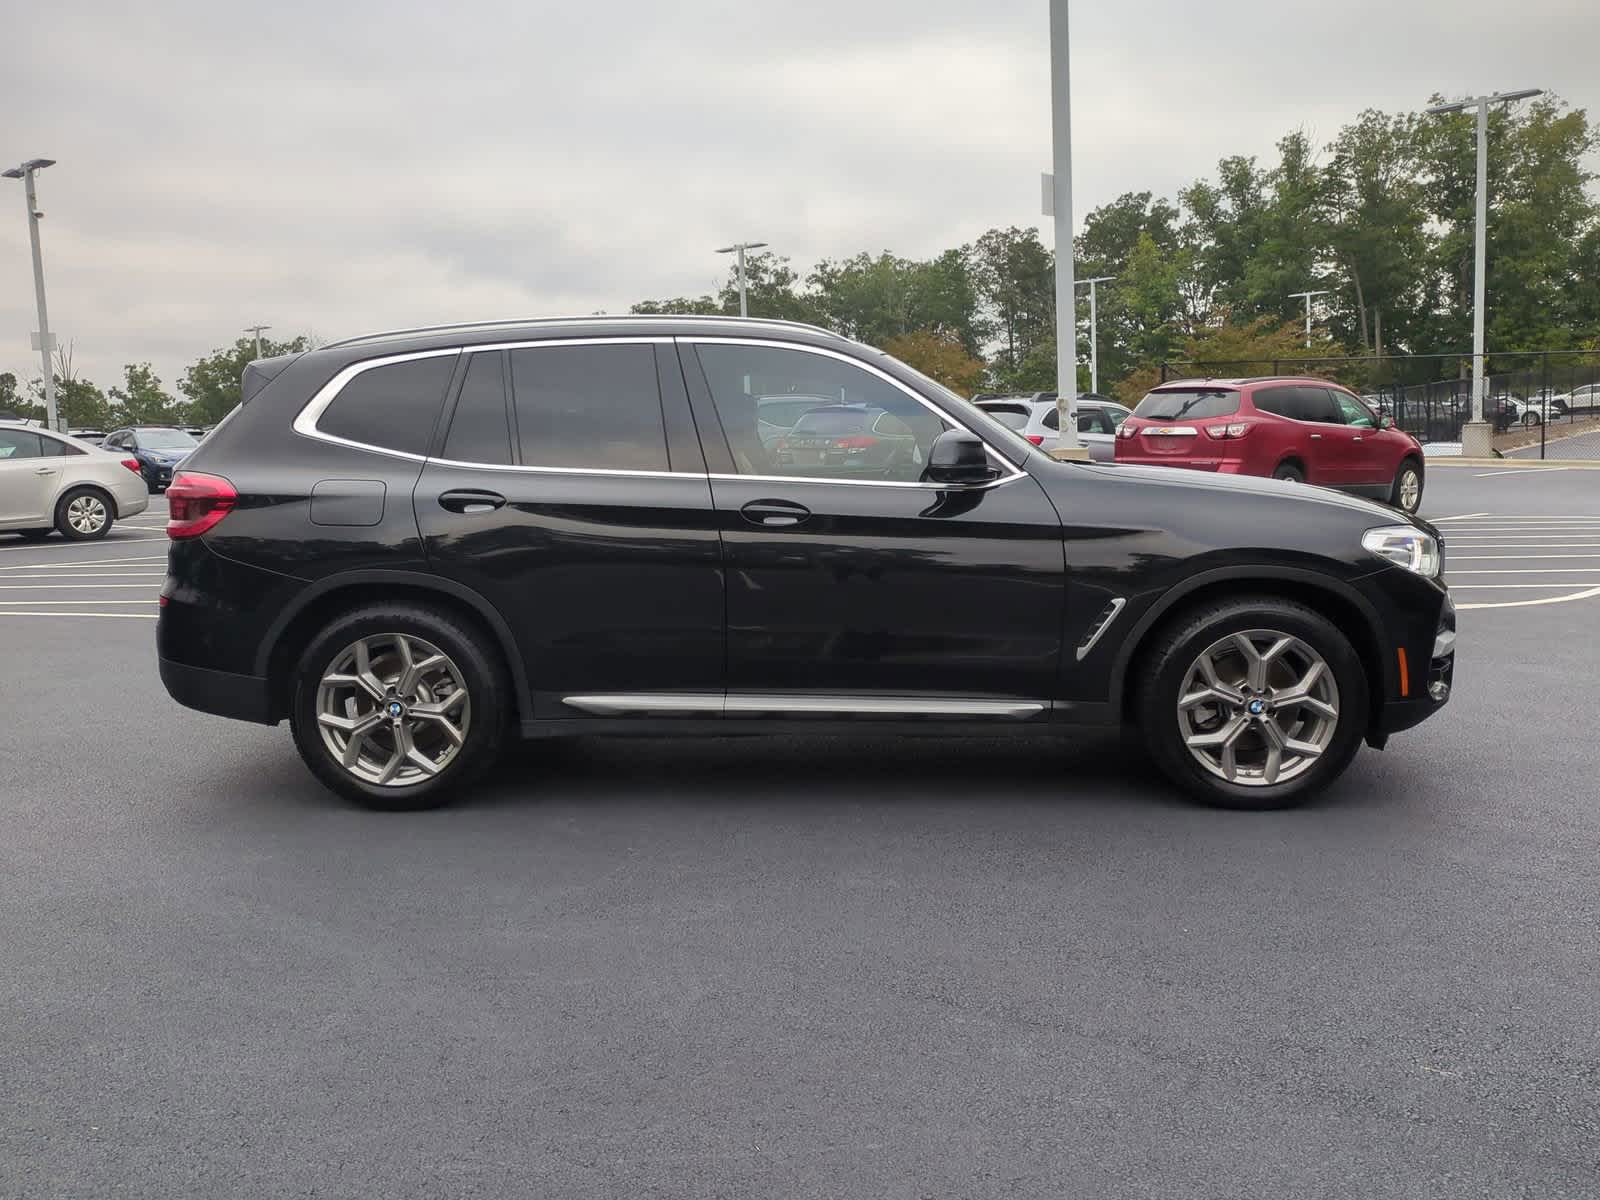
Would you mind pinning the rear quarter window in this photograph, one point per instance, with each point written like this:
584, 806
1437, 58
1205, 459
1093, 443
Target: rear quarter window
393, 406
1188, 404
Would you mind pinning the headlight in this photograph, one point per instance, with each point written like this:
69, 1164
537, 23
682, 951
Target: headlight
1405, 546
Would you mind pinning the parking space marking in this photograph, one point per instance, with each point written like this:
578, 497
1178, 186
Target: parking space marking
97, 600
75, 566
62, 587
94, 575
1518, 471
1515, 557
1586, 595
1458, 517
125, 616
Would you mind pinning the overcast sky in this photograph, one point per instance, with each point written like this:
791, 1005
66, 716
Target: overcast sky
353, 165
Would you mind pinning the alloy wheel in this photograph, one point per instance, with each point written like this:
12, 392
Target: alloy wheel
87, 514
1258, 708
1410, 490
393, 709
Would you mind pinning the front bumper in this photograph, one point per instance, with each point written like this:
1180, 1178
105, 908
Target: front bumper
242, 697
1423, 684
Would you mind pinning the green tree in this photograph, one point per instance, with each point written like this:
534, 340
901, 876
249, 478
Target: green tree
212, 383
141, 400
772, 292
1014, 276
939, 354
874, 299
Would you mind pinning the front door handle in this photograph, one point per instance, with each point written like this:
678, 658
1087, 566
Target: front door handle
1356, 438
467, 500
44, 470
773, 514
1316, 437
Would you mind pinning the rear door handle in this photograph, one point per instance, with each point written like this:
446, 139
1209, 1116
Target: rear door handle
468, 501
774, 513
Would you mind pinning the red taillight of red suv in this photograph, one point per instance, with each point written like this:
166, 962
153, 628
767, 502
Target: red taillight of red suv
1228, 432
132, 464
196, 502
1036, 438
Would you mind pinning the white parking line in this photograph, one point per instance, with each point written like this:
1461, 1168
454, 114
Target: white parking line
1455, 558
125, 616
1454, 587
1588, 595
1459, 517
97, 600
1509, 571
94, 575
64, 587
76, 566
1519, 471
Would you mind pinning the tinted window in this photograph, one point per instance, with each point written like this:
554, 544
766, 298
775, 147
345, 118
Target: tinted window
994, 410
393, 406
854, 439
1188, 404
1052, 418
1316, 404
1280, 401
589, 406
1093, 420
19, 443
53, 448
478, 430
1010, 418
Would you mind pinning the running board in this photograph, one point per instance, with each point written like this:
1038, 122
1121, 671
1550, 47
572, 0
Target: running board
616, 704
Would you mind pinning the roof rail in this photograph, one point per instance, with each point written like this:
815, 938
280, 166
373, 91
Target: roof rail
591, 319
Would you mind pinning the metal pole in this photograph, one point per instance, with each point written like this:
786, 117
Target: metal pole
1094, 341
45, 346
1480, 258
1066, 296
1308, 320
256, 329
744, 309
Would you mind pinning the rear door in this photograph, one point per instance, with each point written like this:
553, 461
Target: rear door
27, 478
569, 490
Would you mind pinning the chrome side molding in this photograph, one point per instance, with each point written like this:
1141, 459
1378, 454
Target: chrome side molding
716, 704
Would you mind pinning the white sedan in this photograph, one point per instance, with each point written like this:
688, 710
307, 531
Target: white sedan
1035, 418
53, 481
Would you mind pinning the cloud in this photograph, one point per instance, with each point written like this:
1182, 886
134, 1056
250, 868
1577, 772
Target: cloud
343, 167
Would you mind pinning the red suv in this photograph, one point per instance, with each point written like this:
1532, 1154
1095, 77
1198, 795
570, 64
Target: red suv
1307, 430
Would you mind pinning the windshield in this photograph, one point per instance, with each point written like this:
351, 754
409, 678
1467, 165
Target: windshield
982, 423
785, 411
165, 439
1188, 403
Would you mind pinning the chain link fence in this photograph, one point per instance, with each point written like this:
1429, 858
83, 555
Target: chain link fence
1542, 403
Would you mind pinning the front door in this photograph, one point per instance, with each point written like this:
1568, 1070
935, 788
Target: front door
570, 492
852, 584
1370, 460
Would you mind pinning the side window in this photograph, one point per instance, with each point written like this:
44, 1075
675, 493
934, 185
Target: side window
479, 432
863, 429
1279, 401
1353, 412
589, 406
1052, 418
51, 447
393, 406
1316, 404
114, 442
19, 443
1093, 420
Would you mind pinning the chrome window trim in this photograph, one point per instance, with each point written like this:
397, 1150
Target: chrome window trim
1004, 463
520, 467
1116, 607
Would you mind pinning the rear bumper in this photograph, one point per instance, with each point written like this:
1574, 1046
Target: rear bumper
242, 697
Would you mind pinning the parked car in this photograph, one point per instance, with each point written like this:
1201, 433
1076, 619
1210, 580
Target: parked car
1303, 430
93, 436
776, 415
1038, 421
158, 449
54, 481
413, 546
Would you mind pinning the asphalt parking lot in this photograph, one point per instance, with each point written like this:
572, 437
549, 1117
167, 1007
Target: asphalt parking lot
810, 967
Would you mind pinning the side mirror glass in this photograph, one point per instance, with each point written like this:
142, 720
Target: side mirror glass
1385, 422
957, 456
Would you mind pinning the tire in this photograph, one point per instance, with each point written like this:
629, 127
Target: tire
1172, 665
85, 514
1530, 420
1401, 495
473, 666
1289, 471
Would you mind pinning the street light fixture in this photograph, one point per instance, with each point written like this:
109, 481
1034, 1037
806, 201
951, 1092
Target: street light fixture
257, 329
739, 248
1475, 438
1094, 336
44, 342
1308, 295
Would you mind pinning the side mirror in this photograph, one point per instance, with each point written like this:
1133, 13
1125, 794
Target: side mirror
957, 456
1385, 422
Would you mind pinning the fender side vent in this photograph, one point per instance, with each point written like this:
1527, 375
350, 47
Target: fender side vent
1102, 623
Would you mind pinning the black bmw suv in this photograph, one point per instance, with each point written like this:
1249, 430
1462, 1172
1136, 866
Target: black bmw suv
417, 545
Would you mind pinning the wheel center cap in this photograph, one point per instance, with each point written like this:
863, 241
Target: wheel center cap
395, 709
1256, 707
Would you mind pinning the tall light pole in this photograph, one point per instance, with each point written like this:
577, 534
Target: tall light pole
739, 248
1307, 295
256, 329
1475, 438
1094, 331
45, 342
1061, 206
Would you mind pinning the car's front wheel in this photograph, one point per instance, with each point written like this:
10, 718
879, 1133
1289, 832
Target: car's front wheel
1254, 702
399, 707
1406, 493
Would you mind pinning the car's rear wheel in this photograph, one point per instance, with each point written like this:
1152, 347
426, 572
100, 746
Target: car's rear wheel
83, 514
1406, 494
399, 707
1291, 472
1253, 702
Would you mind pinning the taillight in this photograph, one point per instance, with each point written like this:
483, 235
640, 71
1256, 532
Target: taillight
1036, 438
859, 442
132, 464
1237, 429
196, 502
1126, 431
